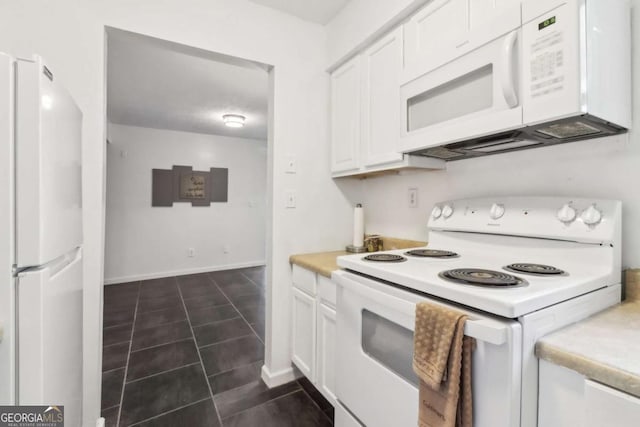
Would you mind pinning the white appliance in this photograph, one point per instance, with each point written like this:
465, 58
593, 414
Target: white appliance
560, 72
41, 253
544, 263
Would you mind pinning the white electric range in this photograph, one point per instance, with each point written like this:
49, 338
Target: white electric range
519, 267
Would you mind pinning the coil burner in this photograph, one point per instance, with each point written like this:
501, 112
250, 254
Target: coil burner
431, 253
385, 258
537, 269
479, 277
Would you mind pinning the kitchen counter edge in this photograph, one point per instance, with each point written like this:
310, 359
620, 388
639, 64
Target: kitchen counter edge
603, 348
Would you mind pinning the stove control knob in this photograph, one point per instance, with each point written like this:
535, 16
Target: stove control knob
591, 216
567, 214
496, 211
436, 212
447, 211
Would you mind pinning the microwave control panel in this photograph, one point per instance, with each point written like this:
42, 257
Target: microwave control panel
551, 64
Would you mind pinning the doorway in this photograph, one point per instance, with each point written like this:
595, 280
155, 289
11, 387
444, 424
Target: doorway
184, 301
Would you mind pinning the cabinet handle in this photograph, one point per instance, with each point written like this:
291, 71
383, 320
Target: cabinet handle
507, 75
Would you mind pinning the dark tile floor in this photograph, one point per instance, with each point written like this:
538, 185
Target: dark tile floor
188, 350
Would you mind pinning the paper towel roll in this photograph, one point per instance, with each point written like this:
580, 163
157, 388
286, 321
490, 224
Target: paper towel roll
358, 226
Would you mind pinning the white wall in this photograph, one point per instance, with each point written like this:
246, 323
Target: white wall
600, 168
144, 241
71, 35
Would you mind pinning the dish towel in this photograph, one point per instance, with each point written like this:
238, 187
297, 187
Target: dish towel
442, 360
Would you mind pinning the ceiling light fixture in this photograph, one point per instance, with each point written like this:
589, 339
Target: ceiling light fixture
233, 120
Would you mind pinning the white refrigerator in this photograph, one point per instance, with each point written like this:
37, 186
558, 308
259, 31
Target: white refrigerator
41, 239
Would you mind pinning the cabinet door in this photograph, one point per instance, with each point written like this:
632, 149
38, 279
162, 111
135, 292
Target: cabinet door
609, 407
381, 66
490, 12
304, 333
327, 352
345, 116
434, 33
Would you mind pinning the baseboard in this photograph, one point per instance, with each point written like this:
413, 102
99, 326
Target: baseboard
276, 379
133, 278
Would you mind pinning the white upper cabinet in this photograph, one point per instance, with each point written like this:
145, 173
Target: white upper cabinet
434, 33
445, 29
345, 117
382, 64
366, 111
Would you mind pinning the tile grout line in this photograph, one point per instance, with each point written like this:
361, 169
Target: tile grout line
236, 308
264, 403
193, 335
137, 423
126, 366
262, 290
163, 372
160, 345
110, 407
117, 343
233, 369
250, 334
216, 321
116, 326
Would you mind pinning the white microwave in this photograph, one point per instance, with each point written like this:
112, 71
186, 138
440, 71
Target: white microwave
562, 73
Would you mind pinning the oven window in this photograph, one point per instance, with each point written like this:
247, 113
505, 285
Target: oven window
390, 344
468, 94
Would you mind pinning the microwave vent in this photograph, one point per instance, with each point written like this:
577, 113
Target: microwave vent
441, 153
569, 130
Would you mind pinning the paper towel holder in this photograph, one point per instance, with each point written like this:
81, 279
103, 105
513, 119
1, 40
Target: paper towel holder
355, 247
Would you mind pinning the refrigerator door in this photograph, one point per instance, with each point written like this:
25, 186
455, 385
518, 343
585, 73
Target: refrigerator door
49, 313
7, 349
48, 166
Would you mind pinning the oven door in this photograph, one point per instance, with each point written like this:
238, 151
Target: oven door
475, 95
375, 380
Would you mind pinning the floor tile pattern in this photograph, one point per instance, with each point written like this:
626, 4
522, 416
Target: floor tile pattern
188, 351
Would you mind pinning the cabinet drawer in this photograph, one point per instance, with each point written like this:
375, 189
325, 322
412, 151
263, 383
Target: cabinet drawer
304, 279
327, 291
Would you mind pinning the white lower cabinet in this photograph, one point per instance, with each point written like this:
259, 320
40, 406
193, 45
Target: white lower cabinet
326, 352
344, 419
314, 329
304, 333
566, 398
606, 406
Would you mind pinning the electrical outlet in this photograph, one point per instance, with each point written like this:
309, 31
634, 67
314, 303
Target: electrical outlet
191, 252
413, 197
290, 199
291, 164
226, 249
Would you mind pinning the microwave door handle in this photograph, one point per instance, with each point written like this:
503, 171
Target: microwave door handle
507, 77
486, 331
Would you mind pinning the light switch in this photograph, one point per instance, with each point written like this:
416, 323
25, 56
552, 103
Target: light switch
291, 164
290, 196
413, 197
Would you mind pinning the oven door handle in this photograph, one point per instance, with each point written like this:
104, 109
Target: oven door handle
486, 331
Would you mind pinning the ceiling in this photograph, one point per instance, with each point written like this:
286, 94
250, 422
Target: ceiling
157, 84
318, 11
